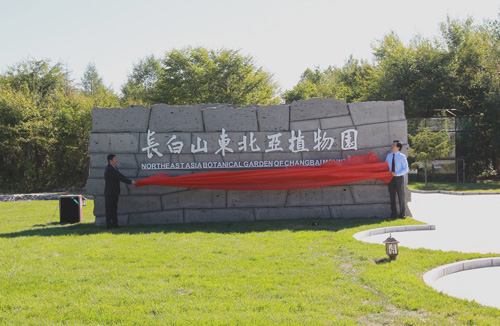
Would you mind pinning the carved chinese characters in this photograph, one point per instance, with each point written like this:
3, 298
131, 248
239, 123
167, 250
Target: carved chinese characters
275, 142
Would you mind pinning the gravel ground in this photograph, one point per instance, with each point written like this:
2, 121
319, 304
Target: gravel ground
23, 197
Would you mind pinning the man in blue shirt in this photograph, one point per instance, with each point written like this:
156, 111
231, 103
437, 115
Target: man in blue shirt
398, 165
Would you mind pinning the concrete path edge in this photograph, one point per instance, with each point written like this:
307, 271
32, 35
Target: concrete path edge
433, 275
453, 192
392, 229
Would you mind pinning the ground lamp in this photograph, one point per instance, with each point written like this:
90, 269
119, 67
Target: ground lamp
391, 247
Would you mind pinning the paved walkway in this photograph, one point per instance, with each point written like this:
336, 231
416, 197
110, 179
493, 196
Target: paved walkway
464, 223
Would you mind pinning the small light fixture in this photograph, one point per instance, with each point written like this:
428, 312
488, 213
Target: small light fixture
391, 247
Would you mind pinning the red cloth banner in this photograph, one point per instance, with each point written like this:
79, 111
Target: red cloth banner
355, 168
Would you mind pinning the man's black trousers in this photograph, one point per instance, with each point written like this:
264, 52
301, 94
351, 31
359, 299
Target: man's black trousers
111, 206
397, 185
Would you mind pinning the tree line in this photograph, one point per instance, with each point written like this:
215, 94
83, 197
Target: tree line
45, 115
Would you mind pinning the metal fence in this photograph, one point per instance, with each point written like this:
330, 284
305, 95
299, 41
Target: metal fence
458, 166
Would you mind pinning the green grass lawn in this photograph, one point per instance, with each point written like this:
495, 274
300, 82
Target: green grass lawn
248, 273
492, 186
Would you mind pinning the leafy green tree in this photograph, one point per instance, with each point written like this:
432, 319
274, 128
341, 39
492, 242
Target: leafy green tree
93, 87
73, 121
45, 125
457, 72
302, 91
418, 74
311, 84
427, 146
36, 77
475, 84
352, 80
92, 83
141, 85
198, 75
27, 131
27, 139
346, 83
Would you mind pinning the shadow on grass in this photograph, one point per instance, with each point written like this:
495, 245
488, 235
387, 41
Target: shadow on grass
384, 261
57, 229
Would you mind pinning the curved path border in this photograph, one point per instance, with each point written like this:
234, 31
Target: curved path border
434, 274
447, 192
392, 229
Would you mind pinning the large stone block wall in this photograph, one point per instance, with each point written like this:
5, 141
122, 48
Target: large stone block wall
124, 132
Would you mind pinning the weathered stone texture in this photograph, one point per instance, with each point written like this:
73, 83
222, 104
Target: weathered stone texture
194, 198
169, 118
130, 204
337, 155
273, 118
218, 215
398, 130
280, 213
240, 198
334, 195
373, 135
123, 143
165, 217
307, 125
133, 118
242, 119
375, 112
370, 194
336, 122
317, 108
354, 211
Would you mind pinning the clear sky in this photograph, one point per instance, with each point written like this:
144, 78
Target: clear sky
285, 37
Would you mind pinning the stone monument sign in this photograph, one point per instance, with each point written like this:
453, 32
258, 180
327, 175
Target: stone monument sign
179, 140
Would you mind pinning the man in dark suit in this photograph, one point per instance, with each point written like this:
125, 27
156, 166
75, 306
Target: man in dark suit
112, 178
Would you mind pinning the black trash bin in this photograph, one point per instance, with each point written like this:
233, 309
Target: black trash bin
70, 208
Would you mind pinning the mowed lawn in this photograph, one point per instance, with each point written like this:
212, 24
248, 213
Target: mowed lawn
486, 186
249, 273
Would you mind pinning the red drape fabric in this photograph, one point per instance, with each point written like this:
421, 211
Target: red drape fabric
355, 168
